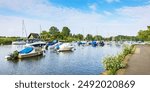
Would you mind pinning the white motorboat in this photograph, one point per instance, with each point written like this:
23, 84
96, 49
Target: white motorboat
30, 50
54, 45
64, 47
37, 44
25, 53
19, 43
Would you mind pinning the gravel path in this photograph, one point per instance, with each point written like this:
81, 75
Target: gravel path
139, 63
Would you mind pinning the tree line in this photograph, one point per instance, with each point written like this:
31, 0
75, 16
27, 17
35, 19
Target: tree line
65, 35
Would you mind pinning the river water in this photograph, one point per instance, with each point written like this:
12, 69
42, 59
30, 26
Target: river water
83, 61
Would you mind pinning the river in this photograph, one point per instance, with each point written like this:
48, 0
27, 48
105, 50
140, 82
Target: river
83, 61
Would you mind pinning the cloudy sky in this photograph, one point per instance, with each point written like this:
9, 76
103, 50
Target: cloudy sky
104, 17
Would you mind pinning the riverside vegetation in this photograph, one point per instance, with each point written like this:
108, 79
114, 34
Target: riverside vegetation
65, 35
114, 63
7, 40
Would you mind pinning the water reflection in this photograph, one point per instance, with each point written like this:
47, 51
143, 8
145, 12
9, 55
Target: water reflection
34, 59
85, 60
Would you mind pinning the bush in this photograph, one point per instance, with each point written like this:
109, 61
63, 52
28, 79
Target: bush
127, 49
14, 55
7, 41
114, 63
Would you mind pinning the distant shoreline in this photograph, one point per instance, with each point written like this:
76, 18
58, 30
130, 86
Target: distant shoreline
7, 40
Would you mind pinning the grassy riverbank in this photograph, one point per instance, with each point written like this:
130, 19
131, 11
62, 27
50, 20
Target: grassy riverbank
7, 40
114, 63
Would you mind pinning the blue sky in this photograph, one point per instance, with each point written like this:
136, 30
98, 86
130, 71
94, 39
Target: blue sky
101, 4
104, 17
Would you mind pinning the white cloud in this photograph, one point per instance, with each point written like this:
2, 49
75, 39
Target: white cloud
140, 12
50, 15
93, 6
111, 1
12, 26
107, 13
21, 4
126, 20
139, 15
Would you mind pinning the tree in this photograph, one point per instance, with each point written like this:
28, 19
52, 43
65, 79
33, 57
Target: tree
144, 34
45, 35
89, 37
148, 27
79, 36
98, 37
65, 31
54, 32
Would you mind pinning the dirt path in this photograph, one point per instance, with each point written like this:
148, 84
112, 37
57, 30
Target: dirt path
139, 63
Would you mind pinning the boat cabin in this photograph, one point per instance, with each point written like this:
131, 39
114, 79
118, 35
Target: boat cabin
33, 37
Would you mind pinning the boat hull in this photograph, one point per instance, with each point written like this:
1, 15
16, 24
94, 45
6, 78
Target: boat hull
65, 49
21, 56
18, 43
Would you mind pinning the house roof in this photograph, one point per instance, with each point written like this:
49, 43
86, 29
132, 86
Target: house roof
35, 35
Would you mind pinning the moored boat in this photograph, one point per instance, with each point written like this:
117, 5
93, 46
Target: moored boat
53, 44
19, 42
64, 47
36, 44
94, 43
30, 52
26, 53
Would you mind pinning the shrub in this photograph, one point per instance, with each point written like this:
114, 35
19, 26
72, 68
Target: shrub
7, 41
127, 49
14, 55
114, 63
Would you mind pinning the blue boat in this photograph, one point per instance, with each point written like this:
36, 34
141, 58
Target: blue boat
94, 43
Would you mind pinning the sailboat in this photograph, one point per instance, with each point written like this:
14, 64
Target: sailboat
21, 41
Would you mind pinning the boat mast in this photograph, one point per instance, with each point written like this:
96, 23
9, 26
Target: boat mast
40, 29
23, 29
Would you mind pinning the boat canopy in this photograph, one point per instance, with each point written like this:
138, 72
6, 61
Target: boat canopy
26, 50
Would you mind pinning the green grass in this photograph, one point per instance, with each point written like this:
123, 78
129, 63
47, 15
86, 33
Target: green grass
7, 40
